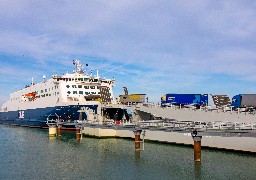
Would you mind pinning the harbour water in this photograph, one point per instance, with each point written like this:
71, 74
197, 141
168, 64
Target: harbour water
27, 153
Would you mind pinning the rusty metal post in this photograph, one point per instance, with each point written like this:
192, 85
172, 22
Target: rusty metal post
59, 131
197, 146
137, 133
78, 136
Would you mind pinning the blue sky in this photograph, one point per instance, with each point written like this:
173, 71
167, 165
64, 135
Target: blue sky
152, 47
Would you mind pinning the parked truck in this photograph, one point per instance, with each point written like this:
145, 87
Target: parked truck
131, 98
184, 99
244, 100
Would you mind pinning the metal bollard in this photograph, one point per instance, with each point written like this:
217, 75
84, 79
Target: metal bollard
59, 131
137, 133
197, 146
78, 136
52, 130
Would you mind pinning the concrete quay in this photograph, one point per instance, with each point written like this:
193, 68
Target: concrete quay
186, 114
212, 139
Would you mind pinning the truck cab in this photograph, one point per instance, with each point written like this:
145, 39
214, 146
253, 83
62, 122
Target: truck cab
236, 101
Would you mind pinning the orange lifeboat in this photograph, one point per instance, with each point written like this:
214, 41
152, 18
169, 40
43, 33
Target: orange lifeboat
31, 96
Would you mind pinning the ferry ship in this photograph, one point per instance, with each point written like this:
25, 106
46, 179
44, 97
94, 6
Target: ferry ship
59, 98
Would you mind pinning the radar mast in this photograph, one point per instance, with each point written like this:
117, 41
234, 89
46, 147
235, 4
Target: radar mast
78, 67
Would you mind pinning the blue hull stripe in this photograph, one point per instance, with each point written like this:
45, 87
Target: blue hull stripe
38, 117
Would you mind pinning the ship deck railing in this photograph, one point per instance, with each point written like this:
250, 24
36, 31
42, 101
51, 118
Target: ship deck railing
181, 125
204, 126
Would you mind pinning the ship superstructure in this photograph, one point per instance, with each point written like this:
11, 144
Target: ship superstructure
61, 95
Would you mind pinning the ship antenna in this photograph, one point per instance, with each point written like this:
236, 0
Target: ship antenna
44, 77
32, 83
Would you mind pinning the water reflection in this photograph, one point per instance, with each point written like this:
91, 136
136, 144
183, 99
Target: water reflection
52, 138
137, 156
198, 170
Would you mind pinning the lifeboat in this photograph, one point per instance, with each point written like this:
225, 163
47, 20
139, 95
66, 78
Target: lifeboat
31, 95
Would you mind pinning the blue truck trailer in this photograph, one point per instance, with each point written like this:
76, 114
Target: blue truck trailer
183, 99
244, 100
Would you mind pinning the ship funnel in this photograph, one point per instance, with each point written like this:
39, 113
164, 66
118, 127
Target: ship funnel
97, 73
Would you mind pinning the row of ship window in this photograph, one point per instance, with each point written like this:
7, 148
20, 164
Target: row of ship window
42, 91
77, 79
44, 95
80, 86
38, 96
82, 92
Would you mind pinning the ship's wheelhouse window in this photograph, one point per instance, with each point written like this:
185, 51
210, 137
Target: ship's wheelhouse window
87, 93
45, 90
72, 79
98, 87
79, 86
75, 79
80, 79
86, 87
42, 91
68, 92
67, 86
93, 92
46, 94
74, 92
81, 92
69, 79
49, 94
92, 87
85, 79
73, 86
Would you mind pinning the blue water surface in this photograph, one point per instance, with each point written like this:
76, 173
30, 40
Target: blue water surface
27, 153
